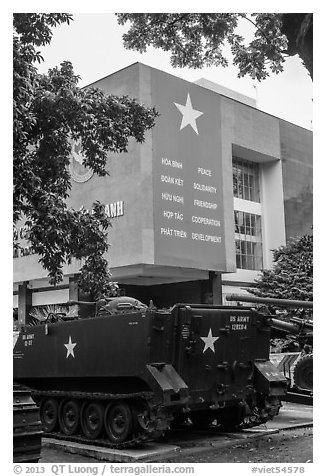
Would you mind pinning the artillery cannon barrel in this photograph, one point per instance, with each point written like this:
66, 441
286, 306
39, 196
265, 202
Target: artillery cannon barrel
272, 301
302, 327
73, 303
284, 326
307, 322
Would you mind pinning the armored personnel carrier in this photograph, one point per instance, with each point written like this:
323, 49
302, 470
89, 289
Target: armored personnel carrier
27, 430
128, 373
298, 354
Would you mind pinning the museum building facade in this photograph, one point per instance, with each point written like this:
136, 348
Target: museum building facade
197, 208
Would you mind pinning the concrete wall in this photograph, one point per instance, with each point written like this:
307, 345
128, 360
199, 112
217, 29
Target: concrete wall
205, 83
253, 135
273, 225
297, 171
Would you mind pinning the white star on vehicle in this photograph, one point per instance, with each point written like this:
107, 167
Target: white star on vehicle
70, 348
209, 341
189, 114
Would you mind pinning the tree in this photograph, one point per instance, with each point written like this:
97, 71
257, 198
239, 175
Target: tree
50, 112
197, 39
291, 276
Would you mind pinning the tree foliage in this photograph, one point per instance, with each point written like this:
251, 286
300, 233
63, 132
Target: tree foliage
197, 39
50, 112
291, 276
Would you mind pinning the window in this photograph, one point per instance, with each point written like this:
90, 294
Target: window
246, 180
248, 241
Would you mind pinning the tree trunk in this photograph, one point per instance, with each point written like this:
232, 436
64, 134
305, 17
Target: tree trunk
298, 28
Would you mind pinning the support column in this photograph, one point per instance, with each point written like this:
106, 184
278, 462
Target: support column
74, 293
215, 281
24, 303
73, 288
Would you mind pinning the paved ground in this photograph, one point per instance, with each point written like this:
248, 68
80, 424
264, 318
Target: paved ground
290, 446
292, 414
267, 443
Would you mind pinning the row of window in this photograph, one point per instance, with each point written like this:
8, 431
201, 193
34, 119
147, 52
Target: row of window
248, 235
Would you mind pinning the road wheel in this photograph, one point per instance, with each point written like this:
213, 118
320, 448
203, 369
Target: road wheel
118, 422
49, 414
69, 416
92, 419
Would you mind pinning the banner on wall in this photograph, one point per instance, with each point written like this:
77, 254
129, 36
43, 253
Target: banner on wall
187, 169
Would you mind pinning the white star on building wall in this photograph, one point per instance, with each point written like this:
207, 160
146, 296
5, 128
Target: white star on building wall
209, 341
70, 348
189, 114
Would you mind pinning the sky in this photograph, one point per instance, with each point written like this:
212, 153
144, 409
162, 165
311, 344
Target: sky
93, 43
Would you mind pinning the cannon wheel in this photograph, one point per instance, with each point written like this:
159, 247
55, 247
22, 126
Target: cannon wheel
303, 373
